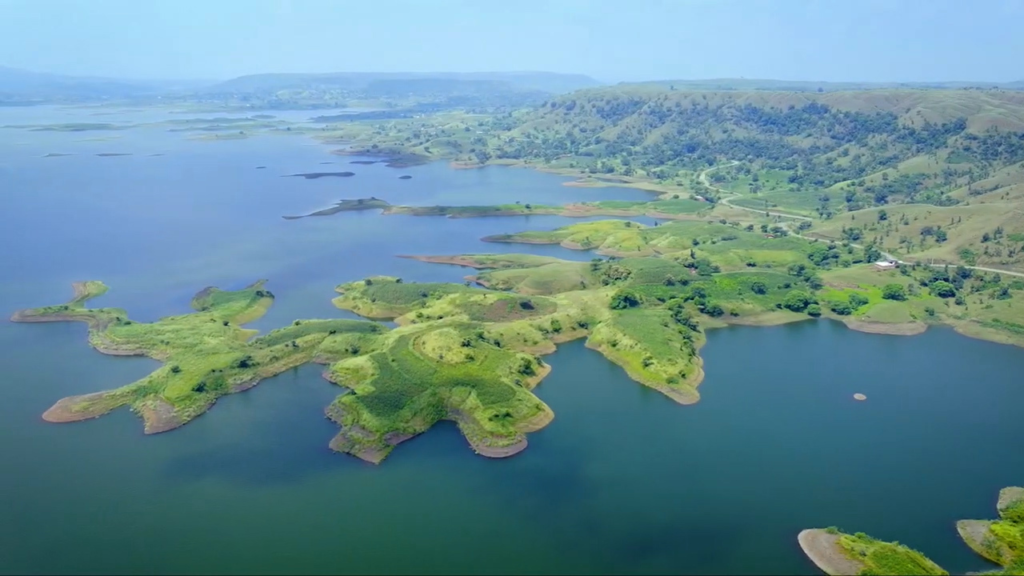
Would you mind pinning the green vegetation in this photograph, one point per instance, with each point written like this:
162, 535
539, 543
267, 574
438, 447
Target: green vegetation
837, 553
911, 167
469, 354
402, 381
206, 354
999, 541
352, 205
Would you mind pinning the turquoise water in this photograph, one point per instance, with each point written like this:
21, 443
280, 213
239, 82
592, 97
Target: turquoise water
622, 481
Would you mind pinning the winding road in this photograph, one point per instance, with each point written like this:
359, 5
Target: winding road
727, 197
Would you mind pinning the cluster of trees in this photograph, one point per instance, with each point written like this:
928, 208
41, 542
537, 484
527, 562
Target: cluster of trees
661, 135
846, 307
958, 282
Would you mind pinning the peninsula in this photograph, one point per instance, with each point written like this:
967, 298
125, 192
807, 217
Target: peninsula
472, 355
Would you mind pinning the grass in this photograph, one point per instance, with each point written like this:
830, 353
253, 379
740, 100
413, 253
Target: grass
905, 233
886, 558
653, 350
206, 354
468, 354
1000, 541
440, 373
388, 297
802, 203
547, 279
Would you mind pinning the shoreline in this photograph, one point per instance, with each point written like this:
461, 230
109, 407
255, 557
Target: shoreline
824, 550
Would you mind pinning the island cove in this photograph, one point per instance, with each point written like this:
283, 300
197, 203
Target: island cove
998, 541
471, 355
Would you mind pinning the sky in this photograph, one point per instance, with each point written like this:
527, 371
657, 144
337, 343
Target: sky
624, 40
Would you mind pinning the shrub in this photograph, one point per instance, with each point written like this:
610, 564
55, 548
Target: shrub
841, 308
857, 300
625, 299
797, 301
943, 289
894, 292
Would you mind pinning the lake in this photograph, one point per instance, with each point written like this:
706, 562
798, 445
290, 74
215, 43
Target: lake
622, 481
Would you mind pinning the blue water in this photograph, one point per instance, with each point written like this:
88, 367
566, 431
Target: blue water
622, 481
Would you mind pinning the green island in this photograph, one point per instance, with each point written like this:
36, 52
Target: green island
998, 541
350, 205
472, 355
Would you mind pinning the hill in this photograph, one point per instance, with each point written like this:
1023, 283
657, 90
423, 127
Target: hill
800, 141
25, 86
394, 90
548, 82
811, 86
954, 157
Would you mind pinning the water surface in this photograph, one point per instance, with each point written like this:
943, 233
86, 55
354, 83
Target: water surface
622, 481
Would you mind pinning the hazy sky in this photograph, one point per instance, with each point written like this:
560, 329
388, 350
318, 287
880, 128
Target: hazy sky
879, 40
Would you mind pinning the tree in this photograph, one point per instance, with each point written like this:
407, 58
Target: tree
625, 299
758, 287
894, 292
814, 310
841, 308
712, 309
943, 289
883, 215
857, 300
797, 301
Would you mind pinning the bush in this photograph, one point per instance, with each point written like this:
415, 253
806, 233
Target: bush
894, 292
841, 308
713, 310
625, 299
857, 300
943, 289
814, 310
758, 287
797, 301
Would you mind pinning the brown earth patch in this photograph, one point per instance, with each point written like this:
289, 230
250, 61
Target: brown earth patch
827, 554
454, 260
1008, 496
498, 451
976, 534
895, 329
159, 416
77, 408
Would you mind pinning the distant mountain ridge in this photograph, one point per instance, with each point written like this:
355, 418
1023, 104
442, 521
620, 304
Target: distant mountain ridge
551, 82
15, 82
447, 89
749, 84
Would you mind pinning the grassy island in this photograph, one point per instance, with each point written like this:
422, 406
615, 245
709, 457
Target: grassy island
998, 541
470, 354
836, 553
352, 205
401, 381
